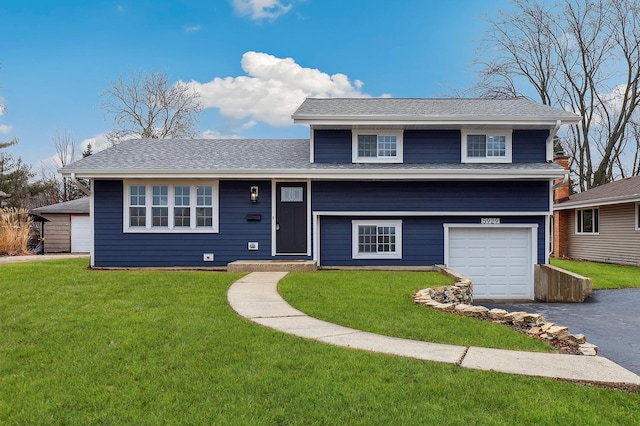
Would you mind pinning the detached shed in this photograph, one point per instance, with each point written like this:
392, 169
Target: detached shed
69, 226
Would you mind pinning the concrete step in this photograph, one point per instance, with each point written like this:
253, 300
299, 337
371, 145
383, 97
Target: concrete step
272, 266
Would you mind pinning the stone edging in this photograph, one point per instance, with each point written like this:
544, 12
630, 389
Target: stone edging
458, 299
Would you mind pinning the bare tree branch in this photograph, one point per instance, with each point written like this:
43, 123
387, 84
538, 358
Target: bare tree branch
580, 55
148, 107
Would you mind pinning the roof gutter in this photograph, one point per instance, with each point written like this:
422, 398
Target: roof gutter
330, 174
82, 188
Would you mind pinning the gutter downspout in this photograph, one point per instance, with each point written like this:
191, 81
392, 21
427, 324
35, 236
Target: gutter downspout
552, 135
80, 185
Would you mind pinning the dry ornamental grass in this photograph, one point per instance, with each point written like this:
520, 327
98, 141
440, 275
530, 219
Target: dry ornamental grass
15, 226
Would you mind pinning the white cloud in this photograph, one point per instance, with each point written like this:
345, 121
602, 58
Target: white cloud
193, 28
98, 143
272, 89
261, 9
215, 134
4, 128
53, 163
612, 103
615, 98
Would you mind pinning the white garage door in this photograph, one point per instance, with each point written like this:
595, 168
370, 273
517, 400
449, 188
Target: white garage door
498, 260
80, 234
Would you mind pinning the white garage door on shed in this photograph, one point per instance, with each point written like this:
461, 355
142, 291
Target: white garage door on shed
80, 234
498, 259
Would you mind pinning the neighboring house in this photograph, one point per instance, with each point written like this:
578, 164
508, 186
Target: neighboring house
68, 229
464, 182
601, 224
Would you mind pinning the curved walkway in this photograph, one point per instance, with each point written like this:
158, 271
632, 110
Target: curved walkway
256, 297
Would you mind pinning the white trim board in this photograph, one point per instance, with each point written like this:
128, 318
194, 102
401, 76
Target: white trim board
429, 213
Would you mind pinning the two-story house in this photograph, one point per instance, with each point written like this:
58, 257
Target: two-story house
384, 181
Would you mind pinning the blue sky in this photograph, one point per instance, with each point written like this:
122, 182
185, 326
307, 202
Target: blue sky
252, 60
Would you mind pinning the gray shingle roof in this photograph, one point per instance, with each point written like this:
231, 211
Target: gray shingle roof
449, 108
211, 157
81, 205
622, 190
198, 154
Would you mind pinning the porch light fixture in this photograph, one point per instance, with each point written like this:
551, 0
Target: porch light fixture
254, 194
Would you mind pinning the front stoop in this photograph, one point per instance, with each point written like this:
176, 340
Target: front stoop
272, 266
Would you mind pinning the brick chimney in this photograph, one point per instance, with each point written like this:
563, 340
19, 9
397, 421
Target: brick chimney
561, 217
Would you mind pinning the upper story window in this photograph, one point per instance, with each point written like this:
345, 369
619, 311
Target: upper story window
486, 146
168, 207
377, 146
588, 221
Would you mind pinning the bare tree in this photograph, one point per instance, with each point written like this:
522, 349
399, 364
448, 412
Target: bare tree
66, 154
580, 55
147, 106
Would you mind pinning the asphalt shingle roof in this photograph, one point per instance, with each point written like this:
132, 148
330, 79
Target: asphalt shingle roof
198, 154
621, 189
237, 155
210, 155
451, 108
81, 205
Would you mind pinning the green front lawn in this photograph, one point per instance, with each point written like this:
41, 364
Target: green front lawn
156, 347
603, 275
381, 302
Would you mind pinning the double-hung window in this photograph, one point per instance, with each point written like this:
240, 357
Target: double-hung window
160, 206
182, 209
587, 221
486, 146
377, 239
171, 207
137, 206
377, 146
204, 206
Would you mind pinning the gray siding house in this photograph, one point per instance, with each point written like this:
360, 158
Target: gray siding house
601, 224
379, 181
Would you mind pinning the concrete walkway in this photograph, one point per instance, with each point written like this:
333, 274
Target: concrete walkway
37, 257
256, 297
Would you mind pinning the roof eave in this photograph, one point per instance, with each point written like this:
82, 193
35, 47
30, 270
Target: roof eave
568, 205
366, 174
433, 121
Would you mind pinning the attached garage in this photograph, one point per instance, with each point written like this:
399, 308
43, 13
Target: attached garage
498, 259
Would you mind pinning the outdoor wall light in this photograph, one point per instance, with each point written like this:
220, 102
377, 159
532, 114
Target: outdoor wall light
254, 194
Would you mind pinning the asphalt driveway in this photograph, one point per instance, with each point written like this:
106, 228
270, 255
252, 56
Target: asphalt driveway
609, 319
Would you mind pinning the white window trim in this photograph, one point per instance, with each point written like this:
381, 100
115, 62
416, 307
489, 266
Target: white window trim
578, 232
507, 133
171, 184
387, 255
378, 132
637, 222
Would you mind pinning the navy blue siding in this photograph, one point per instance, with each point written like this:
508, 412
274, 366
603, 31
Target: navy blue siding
422, 239
431, 146
529, 146
113, 247
451, 196
332, 146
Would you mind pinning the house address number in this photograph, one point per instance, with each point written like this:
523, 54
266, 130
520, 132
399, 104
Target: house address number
490, 220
